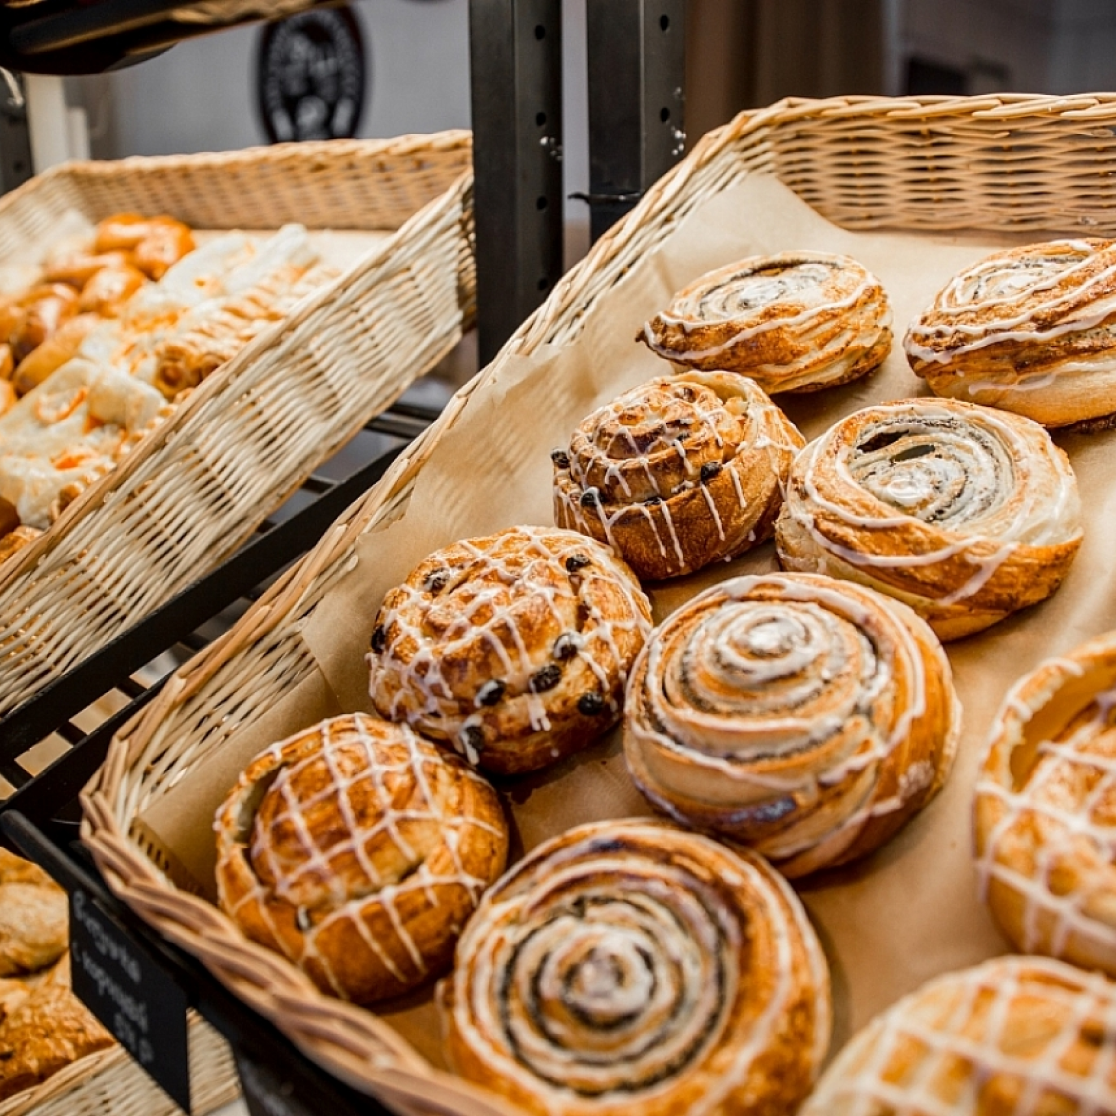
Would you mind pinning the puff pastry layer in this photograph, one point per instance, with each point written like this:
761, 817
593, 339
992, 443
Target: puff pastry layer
796, 321
1045, 809
678, 472
513, 647
1012, 1036
630, 966
1031, 329
806, 717
358, 850
962, 512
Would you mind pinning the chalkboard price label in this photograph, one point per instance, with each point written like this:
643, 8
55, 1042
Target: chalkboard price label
130, 993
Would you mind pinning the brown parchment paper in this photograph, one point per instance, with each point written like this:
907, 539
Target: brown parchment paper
895, 919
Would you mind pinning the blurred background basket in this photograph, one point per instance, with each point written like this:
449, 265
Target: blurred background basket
996, 164
197, 487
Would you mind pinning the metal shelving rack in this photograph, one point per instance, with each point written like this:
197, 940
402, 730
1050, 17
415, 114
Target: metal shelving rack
635, 78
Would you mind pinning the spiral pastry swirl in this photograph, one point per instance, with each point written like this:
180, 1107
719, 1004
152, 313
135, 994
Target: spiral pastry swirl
805, 717
796, 321
357, 850
962, 512
514, 647
1045, 809
631, 966
678, 472
1031, 330
1014, 1036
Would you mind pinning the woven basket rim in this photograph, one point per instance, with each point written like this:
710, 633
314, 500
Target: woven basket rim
197, 925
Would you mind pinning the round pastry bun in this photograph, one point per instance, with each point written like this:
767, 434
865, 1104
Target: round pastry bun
358, 850
1029, 329
1012, 1035
1044, 805
796, 321
678, 472
630, 966
806, 717
514, 648
963, 512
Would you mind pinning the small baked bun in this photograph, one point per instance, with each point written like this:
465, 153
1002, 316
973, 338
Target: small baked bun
797, 321
806, 717
1044, 808
514, 648
631, 967
1013, 1035
962, 512
1031, 330
678, 472
34, 917
358, 850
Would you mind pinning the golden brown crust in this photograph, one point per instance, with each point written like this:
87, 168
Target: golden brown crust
1045, 806
630, 966
358, 850
796, 321
34, 917
962, 512
805, 717
1029, 329
677, 473
1013, 1035
514, 648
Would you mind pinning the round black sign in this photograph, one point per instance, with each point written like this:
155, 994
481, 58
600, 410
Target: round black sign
310, 76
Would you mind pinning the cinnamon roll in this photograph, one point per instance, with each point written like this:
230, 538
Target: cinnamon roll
962, 512
796, 321
1011, 1036
629, 966
1044, 808
1029, 329
514, 647
358, 850
678, 472
805, 717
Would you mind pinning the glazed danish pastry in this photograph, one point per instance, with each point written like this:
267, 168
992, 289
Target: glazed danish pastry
678, 472
796, 321
513, 647
1045, 806
1011, 1036
962, 512
358, 850
1030, 329
630, 966
805, 717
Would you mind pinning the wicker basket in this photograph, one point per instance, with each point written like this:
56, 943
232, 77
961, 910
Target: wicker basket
109, 1083
994, 164
195, 489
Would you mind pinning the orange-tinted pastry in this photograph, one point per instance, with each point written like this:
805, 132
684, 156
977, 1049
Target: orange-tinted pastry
796, 321
514, 647
962, 512
1012, 1036
1029, 329
1045, 809
358, 850
806, 717
678, 472
632, 967
34, 917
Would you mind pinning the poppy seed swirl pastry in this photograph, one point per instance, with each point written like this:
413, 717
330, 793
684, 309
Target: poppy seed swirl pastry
678, 472
796, 321
1045, 809
962, 512
805, 717
514, 648
629, 966
1031, 330
357, 850
1013, 1035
